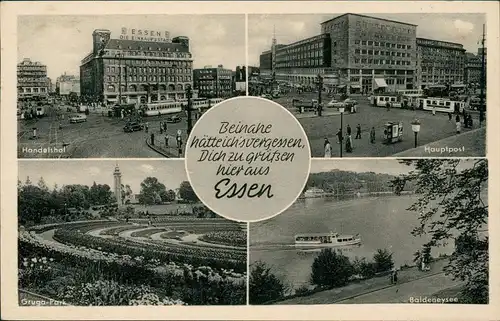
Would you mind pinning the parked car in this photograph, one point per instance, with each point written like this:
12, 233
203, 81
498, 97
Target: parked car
77, 119
174, 119
335, 104
133, 127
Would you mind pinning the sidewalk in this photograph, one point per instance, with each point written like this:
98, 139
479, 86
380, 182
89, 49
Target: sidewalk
468, 144
365, 287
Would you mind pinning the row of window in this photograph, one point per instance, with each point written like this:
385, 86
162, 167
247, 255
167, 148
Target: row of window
382, 53
142, 88
301, 63
381, 72
382, 62
151, 78
381, 44
436, 79
300, 48
399, 80
162, 63
150, 54
32, 68
37, 80
32, 90
151, 70
224, 88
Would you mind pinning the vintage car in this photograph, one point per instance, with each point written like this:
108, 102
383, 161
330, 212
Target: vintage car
77, 119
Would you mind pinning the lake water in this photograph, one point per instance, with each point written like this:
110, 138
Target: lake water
381, 222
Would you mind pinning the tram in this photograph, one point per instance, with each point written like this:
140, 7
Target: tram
162, 108
442, 105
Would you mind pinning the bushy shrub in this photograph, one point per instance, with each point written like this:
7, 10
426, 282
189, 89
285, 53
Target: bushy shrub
331, 269
264, 286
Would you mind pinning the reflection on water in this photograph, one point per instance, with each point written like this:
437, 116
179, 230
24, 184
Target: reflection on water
381, 222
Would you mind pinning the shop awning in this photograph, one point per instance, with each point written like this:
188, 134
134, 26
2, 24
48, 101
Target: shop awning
341, 86
355, 86
458, 86
380, 82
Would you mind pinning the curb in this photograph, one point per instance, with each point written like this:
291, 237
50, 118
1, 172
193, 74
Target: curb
402, 154
158, 150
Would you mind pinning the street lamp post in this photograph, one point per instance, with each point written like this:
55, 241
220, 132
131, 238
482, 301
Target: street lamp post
119, 56
174, 68
415, 127
189, 94
341, 110
320, 89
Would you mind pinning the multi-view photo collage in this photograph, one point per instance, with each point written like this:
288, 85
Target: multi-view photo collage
395, 208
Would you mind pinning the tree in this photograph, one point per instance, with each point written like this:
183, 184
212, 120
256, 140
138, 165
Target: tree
331, 269
451, 207
383, 260
168, 196
151, 189
264, 286
186, 192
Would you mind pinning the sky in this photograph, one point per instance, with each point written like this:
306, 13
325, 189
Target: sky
170, 173
463, 28
61, 42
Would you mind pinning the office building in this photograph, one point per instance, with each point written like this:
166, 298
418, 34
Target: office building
440, 63
32, 79
213, 82
139, 66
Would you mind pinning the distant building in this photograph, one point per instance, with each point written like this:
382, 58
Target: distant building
141, 66
472, 69
439, 63
239, 82
32, 79
66, 84
213, 82
253, 73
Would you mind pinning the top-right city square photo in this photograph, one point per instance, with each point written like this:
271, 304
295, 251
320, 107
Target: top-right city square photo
376, 85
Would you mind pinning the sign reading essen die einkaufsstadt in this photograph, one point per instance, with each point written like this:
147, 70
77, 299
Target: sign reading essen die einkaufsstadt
145, 35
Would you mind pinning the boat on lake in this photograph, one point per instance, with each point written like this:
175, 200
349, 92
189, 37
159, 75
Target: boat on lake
324, 240
314, 192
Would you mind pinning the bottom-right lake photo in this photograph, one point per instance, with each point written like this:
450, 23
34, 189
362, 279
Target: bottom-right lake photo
377, 231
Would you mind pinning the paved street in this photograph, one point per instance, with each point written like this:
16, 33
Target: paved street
99, 137
433, 128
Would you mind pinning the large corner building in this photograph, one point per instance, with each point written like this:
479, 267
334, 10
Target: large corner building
32, 79
213, 82
141, 66
362, 54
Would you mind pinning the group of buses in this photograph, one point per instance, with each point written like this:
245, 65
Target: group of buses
176, 106
414, 98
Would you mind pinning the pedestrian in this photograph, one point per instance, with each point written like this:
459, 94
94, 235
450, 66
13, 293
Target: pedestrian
372, 135
146, 126
449, 116
434, 111
349, 130
165, 127
328, 148
161, 128
348, 144
458, 124
339, 136
152, 139
470, 121
388, 106
166, 140
358, 132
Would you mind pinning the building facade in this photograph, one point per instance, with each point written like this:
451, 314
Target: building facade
439, 63
32, 79
213, 82
473, 67
372, 54
66, 84
353, 52
136, 69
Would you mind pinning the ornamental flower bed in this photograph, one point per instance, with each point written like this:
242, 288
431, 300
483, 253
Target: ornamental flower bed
184, 282
232, 238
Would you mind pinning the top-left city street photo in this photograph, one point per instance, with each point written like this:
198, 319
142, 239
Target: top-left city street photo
122, 86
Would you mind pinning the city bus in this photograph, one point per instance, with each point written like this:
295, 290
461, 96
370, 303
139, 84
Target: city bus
162, 108
442, 105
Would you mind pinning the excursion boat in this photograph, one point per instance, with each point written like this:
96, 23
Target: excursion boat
326, 240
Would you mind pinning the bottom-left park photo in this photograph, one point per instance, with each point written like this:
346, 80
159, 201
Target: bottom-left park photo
127, 232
